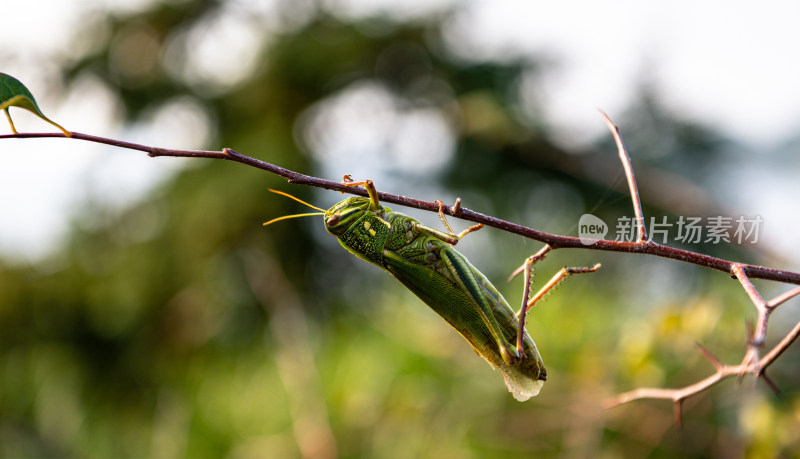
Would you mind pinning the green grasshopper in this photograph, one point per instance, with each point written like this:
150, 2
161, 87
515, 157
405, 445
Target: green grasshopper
424, 261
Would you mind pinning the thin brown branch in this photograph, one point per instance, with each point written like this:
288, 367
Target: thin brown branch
555, 241
676, 395
751, 363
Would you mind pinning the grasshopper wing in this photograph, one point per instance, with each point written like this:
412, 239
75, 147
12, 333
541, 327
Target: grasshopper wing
459, 293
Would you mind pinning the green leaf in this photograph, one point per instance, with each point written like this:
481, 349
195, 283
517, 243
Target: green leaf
14, 94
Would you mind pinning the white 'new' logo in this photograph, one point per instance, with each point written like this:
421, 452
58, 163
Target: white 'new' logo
591, 228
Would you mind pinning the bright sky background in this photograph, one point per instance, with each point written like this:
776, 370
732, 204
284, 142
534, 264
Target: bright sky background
732, 65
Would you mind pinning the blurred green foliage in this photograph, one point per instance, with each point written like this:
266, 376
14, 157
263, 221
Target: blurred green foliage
182, 328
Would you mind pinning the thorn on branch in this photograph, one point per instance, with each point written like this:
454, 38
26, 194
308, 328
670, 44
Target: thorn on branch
456, 209
749, 330
678, 413
710, 357
775, 389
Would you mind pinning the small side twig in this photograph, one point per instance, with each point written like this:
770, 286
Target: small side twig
782, 298
625, 158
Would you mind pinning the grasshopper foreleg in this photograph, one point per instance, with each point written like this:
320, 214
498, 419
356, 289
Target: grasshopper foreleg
375, 204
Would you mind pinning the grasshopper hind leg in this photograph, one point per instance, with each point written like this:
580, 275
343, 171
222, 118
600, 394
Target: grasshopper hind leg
529, 301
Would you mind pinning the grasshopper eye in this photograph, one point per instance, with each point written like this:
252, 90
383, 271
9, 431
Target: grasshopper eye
333, 220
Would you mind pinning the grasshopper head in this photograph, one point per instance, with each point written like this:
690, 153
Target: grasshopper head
345, 213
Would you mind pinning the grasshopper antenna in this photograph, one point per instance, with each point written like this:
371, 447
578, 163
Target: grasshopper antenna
286, 217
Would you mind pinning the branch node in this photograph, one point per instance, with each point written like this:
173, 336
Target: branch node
156, 151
